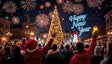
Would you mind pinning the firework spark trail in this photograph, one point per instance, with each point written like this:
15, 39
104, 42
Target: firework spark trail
10, 7
28, 4
94, 3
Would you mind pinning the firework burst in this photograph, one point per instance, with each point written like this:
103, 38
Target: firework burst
15, 20
10, 7
51, 14
60, 2
42, 20
67, 7
28, 4
78, 8
94, 3
47, 4
78, 0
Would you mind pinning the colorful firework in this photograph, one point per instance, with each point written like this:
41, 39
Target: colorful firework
78, 8
15, 20
51, 14
28, 4
47, 4
78, 0
94, 3
10, 7
42, 20
60, 2
67, 7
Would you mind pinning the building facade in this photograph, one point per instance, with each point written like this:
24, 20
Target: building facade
29, 29
108, 18
4, 29
16, 31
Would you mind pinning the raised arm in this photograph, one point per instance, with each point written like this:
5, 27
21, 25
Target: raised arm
93, 43
48, 46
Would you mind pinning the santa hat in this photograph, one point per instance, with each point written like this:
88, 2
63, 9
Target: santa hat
75, 33
31, 45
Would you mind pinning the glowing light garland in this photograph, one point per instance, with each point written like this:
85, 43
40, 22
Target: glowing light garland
79, 22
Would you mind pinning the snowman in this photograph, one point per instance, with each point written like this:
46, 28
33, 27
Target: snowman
75, 38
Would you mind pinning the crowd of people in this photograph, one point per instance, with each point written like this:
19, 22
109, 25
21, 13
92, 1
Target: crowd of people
31, 52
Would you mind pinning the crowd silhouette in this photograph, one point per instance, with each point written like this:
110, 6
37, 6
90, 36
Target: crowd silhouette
31, 52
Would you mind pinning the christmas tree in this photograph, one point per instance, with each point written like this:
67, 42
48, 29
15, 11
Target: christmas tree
56, 27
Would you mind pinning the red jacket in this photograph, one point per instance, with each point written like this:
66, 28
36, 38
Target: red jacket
37, 56
84, 56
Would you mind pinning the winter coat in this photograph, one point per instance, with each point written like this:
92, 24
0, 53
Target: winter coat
67, 56
54, 57
84, 56
96, 59
36, 57
17, 59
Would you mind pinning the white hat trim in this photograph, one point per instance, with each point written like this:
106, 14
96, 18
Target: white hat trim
32, 50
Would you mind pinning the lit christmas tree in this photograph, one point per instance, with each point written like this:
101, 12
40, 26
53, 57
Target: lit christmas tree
56, 27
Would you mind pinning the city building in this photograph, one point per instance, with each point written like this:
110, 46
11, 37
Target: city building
4, 30
16, 31
29, 29
108, 18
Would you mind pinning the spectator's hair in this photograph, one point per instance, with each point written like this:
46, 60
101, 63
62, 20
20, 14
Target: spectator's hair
87, 46
110, 48
80, 46
17, 49
67, 47
8, 50
109, 53
39, 46
54, 46
62, 47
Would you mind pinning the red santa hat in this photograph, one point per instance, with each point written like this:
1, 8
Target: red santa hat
75, 33
31, 45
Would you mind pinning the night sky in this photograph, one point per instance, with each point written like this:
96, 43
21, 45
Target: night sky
95, 15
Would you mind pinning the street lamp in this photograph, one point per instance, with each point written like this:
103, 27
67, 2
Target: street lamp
3, 39
32, 33
8, 34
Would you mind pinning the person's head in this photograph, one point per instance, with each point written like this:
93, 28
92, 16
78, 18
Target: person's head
17, 49
61, 47
8, 50
67, 47
80, 46
31, 45
54, 46
87, 46
1, 49
110, 48
39, 46
97, 50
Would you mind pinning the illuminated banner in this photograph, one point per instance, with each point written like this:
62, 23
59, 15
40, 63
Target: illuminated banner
79, 22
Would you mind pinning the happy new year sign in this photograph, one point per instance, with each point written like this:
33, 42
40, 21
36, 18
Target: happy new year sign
79, 22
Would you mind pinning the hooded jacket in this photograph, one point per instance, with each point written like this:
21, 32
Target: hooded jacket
36, 57
84, 56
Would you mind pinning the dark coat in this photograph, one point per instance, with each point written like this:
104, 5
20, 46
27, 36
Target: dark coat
96, 59
17, 59
55, 58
